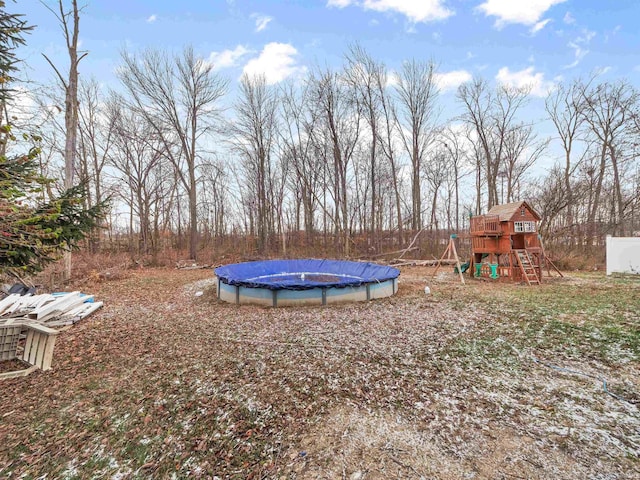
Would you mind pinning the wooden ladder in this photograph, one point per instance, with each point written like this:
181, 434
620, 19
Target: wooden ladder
526, 267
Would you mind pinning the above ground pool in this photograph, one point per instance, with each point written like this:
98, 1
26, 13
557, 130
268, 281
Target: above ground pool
309, 281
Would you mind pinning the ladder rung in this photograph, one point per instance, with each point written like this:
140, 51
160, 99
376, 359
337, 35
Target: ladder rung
527, 267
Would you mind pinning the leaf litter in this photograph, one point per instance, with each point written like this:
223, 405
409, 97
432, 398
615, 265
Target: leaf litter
164, 384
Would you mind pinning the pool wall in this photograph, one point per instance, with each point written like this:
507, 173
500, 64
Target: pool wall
314, 296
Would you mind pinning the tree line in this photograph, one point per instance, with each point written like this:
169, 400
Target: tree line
356, 159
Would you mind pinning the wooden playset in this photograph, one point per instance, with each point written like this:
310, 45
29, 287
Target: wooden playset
505, 245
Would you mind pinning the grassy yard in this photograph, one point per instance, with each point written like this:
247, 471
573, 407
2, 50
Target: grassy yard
164, 384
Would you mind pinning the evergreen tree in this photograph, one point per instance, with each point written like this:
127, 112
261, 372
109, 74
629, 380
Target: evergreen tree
12, 30
33, 232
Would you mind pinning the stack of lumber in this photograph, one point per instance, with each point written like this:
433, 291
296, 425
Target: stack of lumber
50, 310
399, 262
26, 323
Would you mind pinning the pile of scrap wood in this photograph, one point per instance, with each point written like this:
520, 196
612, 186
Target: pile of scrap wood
190, 265
399, 262
51, 310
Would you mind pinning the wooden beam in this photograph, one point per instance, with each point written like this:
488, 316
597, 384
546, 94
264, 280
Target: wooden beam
450, 250
18, 373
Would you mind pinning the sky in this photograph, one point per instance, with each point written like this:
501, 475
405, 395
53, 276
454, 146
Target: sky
516, 42
526, 41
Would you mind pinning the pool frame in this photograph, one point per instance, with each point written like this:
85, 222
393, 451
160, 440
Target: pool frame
239, 294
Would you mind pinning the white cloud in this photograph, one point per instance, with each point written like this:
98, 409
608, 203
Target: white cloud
416, 11
451, 80
339, 3
579, 53
227, 58
392, 78
579, 47
276, 62
568, 19
261, 21
539, 26
613, 33
526, 78
527, 12
152, 18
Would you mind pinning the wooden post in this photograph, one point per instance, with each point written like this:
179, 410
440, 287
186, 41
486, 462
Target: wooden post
455, 254
547, 261
450, 250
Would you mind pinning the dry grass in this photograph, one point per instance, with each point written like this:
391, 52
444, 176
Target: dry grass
163, 384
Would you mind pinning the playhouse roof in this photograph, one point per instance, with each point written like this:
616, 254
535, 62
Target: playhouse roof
508, 210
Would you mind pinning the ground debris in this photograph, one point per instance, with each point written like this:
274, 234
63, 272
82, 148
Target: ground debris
191, 265
173, 385
52, 310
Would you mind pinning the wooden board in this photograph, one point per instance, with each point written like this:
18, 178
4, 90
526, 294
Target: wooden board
18, 373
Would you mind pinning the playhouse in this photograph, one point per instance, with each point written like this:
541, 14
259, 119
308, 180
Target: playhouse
505, 244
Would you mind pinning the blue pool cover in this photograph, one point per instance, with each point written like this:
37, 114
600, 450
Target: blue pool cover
304, 274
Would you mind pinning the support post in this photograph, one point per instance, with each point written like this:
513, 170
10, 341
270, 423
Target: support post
450, 250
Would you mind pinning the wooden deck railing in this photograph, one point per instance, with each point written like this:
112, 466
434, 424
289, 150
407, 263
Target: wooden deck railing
486, 225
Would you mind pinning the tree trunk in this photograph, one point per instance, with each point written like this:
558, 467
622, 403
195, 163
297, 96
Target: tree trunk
71, 109
193, 216
596, 198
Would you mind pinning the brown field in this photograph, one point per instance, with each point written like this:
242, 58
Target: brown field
164, 384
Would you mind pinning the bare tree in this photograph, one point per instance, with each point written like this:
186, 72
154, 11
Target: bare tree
136, 155
216, 201
416, 117
492, 117
436, 176
606, 108
388, 139
179, 98
298, 124
335, 139
455, 145
95, 141
552, 198
70, 23
96, 135
476, 160
564, 106
522, 150
253, 136
364, 75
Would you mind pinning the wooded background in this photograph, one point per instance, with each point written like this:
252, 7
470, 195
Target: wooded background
350, 162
